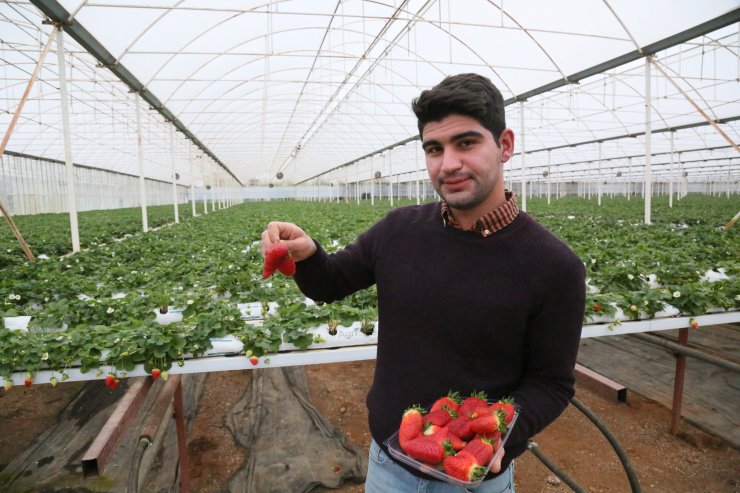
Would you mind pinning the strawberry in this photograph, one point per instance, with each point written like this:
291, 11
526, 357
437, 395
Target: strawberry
411, 425
277, 256
254, 360
429, 429
53, 381
440, 417
482, 449
694, 323
505, 405
598, 308
114, 385
476, 399
425, 449
445, 436
8, 384
155, 373
488, 422
287, 266
29, 379
165, 375
109, 379
460, 427
451, 400
494, 437
464, 467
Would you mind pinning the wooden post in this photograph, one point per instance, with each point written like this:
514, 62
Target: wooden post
683, 339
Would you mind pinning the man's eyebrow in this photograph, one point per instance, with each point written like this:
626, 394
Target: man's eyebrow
454, 138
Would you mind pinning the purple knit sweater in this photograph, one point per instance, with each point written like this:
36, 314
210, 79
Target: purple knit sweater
457, 311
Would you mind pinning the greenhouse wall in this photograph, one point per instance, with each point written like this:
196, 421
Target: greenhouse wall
32, 185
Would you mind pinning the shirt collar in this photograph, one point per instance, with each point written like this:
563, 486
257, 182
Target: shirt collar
490, 222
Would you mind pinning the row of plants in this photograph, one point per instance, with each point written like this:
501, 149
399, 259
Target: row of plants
100, 304
49, 234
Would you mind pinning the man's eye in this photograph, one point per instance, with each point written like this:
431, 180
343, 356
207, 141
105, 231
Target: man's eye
466, 143
432, 149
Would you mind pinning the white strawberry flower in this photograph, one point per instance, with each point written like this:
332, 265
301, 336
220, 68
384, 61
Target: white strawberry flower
737, 298
190, 302
677, 294
109, 311
593, 260
630, 276
45, 356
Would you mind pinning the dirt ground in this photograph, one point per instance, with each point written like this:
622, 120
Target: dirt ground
691, 462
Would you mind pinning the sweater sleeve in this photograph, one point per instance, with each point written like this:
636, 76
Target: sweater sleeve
551, 348
330, 277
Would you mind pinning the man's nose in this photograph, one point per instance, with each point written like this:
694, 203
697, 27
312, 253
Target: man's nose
450, 161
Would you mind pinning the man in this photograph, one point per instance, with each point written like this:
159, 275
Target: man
473, 294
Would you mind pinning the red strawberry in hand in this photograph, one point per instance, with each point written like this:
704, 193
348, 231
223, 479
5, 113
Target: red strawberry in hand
440, 417
277, 257
464, 467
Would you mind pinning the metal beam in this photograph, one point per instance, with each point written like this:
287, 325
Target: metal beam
59, 15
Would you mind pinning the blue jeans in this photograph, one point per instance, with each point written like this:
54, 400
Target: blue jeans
385, 476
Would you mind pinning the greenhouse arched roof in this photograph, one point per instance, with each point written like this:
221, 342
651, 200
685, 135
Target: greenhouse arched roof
303, 87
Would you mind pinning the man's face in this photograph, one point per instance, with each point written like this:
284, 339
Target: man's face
465, 164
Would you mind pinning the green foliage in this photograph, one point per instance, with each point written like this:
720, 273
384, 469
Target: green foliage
98, 306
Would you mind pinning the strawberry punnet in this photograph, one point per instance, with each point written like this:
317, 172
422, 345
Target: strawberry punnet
411, 425
277, 257
464, 467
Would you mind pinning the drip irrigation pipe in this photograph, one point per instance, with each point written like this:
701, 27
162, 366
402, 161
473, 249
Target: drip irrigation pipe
614, 443
694, 353
532, 446
631, 476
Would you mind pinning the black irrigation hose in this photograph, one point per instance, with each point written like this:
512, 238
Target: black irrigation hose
614, 443
532, 446
133, 478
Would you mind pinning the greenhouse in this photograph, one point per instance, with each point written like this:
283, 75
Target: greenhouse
147, 145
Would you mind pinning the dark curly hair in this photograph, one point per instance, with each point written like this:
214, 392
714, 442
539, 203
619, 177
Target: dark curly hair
469, 95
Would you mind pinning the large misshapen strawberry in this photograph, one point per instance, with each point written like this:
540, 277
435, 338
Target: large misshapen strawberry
482, 449
440, 417
277, 257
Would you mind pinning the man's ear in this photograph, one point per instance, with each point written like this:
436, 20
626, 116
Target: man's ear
506, 142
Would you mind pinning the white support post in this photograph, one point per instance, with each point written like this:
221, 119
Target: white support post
205, 185
68, 164
192, 180
140, 155
523, 153
601, 179
549, 177
670, 177
647, 189
174, 175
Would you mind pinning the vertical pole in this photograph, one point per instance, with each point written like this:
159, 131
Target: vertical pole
549, 177
416, 167
69, 166
182, 440
670, 178
174, 174
205, 186
192, 180
140, 155
678, 381
647, 190
601, 180
523, 153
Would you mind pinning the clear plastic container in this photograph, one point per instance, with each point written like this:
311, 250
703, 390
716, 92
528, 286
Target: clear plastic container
438, 472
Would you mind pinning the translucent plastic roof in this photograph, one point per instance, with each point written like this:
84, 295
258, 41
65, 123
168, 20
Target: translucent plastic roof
302, 87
